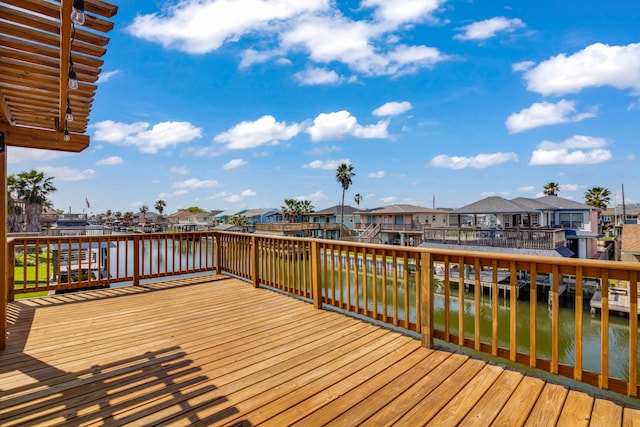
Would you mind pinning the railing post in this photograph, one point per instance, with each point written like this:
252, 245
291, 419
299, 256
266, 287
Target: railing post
4, 267
136, 261
11, 270
316, 284
426, 299
217, 238
254, 262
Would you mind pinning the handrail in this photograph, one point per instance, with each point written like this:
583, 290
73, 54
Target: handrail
453, 296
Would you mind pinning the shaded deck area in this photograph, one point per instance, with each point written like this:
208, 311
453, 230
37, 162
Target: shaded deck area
215, 351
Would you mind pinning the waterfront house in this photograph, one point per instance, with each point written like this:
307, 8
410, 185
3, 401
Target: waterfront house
331, 215
261, 216
224, 216
399, 224
559, 226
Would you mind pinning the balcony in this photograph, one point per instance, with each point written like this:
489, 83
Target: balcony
522, 238
200, 336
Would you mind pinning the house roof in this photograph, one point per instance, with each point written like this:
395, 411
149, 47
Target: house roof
258, 212
335, 210
404, 209
520, 205
40, 50
230, 213
561, 203
630, 238
494, 205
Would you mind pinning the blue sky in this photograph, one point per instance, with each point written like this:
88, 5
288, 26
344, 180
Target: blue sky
231, 104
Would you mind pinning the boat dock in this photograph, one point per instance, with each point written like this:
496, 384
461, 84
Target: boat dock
618, 301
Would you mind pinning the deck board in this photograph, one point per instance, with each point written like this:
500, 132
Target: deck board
214, 350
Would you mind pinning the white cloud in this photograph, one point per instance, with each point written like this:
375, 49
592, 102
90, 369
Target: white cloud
315, 28
263, 131
527, 188
252, 56
341, 124
198, 26
325, 164
324, 150
17, 155
146, 138
546, 113
317, 76
596, 65
479, 162
235, 198
316, 197
107, 75
392, 108
634, 105
388, 200
234, 163
577, 150
179, 171
194, 183
403, 11
378, 174
109, 161
488, 28
570, 187
67, 173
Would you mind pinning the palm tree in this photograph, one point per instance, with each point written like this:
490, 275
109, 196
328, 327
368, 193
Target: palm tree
32, 189
160, 205
143, 210
598, 197
240, 221
305, 206
357, 198
14, 207
344, 173
551, 189
290, 210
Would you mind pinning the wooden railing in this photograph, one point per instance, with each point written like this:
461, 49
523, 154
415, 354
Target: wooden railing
525, 238
73, 262
475, 300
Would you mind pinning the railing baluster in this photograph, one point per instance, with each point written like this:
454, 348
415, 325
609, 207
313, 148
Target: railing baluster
555, 322
447, 299
633, 337
374, 282
513, 311
533, 307
495, 293
577, 372
477, 293
604, 333
461, 288
426, 292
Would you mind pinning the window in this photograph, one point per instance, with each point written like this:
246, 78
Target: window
571, 220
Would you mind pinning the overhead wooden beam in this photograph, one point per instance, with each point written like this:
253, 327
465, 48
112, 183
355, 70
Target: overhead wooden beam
65, 54
16, 136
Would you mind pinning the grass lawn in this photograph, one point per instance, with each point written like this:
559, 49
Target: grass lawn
30, 272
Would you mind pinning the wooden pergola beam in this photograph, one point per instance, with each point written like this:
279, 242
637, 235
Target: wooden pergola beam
45, 139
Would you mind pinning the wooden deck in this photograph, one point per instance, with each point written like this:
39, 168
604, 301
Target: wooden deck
215, 351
